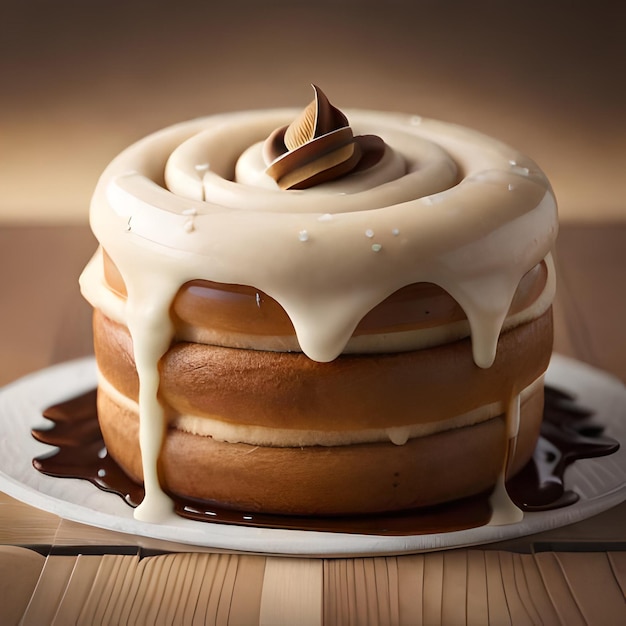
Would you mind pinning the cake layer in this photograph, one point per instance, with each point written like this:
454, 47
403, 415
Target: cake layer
320, 480
354, 392
255, 435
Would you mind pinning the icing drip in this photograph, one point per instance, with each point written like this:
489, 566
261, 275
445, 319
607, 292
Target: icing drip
151, 330
504, 510
444, 205
399, 435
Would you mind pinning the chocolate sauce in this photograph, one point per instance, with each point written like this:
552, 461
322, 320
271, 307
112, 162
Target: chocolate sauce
568, 433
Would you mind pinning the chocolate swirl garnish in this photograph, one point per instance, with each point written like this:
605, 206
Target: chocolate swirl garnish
568, 433
317, 147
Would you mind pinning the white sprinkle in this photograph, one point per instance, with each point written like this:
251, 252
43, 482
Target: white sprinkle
395, 232
416, 120
369, 233
189, 226
510, 186
258, 299
202, 167
248, 517
101, 473
376, 247
512, 162
325, 218
303, 235
191, 211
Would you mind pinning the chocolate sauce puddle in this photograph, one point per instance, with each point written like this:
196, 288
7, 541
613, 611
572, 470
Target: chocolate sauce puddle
568, 433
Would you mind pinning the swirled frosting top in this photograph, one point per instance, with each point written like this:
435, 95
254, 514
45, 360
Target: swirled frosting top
444, 204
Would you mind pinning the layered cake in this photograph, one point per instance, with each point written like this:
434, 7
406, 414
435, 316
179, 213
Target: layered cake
321, 312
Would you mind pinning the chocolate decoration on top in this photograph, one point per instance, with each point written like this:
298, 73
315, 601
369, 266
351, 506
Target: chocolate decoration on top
568, 433
317, 147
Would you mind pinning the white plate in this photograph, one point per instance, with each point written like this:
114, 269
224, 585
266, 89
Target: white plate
601, 483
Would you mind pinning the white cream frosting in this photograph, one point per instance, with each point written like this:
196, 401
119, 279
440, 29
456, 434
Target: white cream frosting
447, 205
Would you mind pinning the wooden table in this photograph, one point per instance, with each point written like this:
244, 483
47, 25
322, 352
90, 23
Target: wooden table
83, 574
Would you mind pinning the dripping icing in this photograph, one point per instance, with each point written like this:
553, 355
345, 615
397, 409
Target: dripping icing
505, 511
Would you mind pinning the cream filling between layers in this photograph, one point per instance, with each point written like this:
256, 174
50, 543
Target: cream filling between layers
223, 431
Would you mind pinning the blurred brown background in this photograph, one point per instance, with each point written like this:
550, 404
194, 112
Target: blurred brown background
81, 80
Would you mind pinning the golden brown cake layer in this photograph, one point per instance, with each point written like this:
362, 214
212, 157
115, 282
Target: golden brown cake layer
320, 480
288, 390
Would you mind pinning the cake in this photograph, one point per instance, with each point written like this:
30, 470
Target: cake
317, 313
